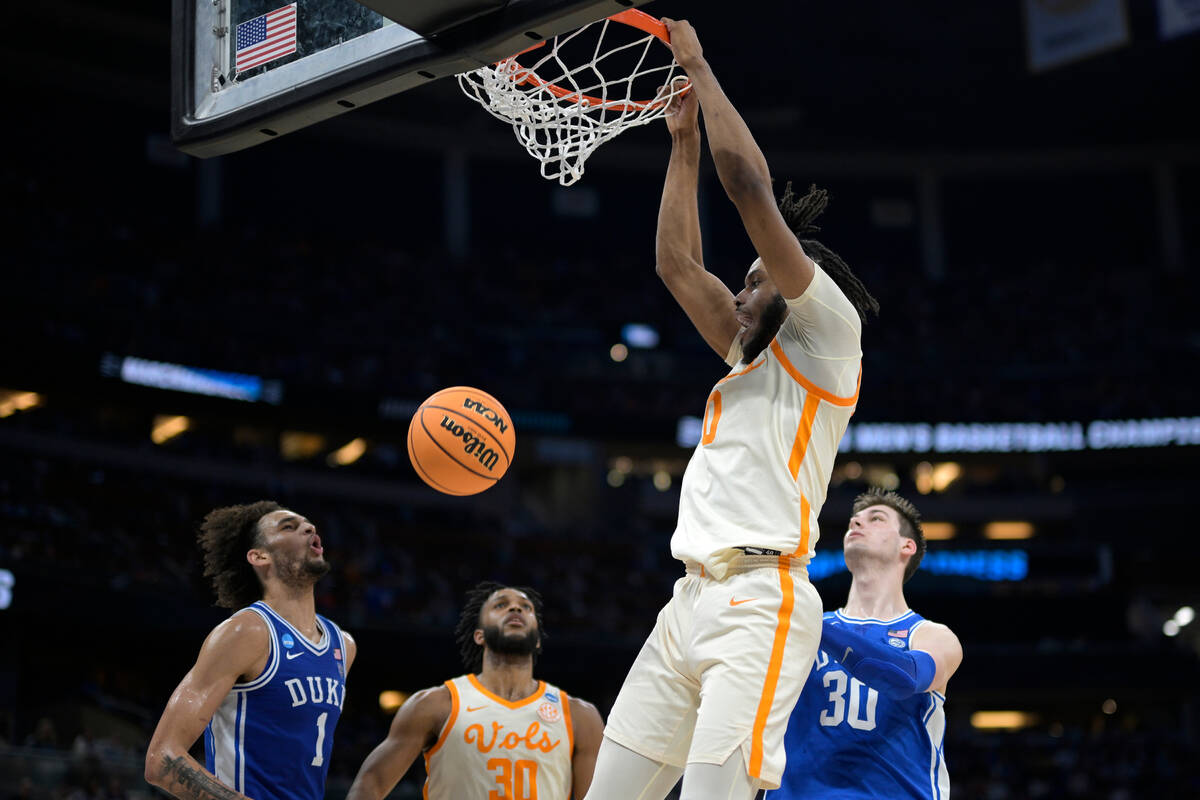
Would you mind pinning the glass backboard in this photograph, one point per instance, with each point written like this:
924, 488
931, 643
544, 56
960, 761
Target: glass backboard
248, 71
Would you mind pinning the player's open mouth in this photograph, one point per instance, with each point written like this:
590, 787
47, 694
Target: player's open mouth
315, 546
745, 320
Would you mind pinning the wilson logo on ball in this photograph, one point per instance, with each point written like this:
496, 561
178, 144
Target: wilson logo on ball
461, 440
472, 444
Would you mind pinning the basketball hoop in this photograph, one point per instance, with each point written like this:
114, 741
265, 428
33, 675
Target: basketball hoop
560, 113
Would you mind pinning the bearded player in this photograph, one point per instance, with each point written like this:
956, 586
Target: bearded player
871, 713
268, 686
497, 731
709, 695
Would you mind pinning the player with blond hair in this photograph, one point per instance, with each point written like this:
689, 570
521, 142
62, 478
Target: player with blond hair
709, 695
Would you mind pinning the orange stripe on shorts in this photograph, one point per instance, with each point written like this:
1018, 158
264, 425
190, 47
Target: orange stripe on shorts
783, 624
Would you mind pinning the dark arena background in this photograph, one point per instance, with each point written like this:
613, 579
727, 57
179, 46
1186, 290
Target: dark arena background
185, 333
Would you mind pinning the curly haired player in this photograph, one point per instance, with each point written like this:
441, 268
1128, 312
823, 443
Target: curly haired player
268, 686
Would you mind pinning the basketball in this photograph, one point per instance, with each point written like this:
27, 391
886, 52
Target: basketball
461, 440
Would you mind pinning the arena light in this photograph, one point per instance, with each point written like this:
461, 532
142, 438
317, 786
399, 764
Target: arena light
13, 401
1003, 720
939, 531
348, 453
194, 380
636, 334
390, 700
662, 480
299, 445
945, 474
1170, 628
166, 427
616, 478
1184, 616
1109, 706
618, 352
1010, 529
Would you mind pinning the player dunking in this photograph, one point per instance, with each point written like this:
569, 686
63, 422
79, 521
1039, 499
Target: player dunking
497, 731
709, 695
268, 685
870, 715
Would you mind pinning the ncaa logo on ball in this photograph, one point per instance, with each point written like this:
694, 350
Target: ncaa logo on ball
549, 712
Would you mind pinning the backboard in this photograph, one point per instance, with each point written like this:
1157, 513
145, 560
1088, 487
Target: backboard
247, 71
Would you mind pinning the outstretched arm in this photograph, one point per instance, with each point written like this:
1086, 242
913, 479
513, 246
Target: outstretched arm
415, 728
237, 647
742, 169
931, 659
678, 251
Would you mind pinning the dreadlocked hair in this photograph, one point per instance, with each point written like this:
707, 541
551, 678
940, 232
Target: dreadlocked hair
470, 619
910, 521
225, 536
799, 214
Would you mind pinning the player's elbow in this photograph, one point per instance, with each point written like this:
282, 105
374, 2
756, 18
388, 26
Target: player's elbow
154, 767
743, 180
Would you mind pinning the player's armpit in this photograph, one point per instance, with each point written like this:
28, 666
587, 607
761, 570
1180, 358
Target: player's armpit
943, 647
351, 650
707, 302
589, 732
237, 648
415, 728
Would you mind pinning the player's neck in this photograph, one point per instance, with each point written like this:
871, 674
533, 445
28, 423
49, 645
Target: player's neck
875, 594
297, 606
508, 677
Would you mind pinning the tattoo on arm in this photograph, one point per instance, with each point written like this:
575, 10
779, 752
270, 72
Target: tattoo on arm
194, 783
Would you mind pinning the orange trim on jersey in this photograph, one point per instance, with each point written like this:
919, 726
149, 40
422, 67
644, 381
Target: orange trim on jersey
566, 706
445, 734
805, 527
803, 434
733, 375
541, 689
783, 624
827, 396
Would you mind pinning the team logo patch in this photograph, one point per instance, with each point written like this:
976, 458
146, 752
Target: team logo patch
901, 634
549, 712
895, 642
551, 696
288, 641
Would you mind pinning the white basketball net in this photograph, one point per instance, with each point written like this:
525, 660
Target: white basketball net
562, 113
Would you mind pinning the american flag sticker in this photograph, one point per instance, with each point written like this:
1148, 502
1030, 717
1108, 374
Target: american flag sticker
266, 38
337, 653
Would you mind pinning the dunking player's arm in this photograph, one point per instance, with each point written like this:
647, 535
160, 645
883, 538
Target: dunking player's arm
678, 250
743, 171
236, 651
418, 724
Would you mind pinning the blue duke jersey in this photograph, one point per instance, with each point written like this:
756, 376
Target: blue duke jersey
846, 740
271, 737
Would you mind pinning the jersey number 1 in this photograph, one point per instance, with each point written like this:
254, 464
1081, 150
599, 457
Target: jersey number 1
319, 758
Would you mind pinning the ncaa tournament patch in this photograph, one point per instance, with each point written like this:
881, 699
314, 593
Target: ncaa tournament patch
288, 641
895, 641
551, 696
549, 712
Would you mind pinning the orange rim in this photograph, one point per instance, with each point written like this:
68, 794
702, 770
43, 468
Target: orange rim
634, 19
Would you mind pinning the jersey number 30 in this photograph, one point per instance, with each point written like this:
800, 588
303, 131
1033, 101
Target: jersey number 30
517, 779
835, 715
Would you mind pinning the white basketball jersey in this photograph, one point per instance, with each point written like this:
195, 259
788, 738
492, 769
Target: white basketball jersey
771, 431
493, 749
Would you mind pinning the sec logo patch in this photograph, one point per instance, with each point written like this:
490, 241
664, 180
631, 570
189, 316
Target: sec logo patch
549, 712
